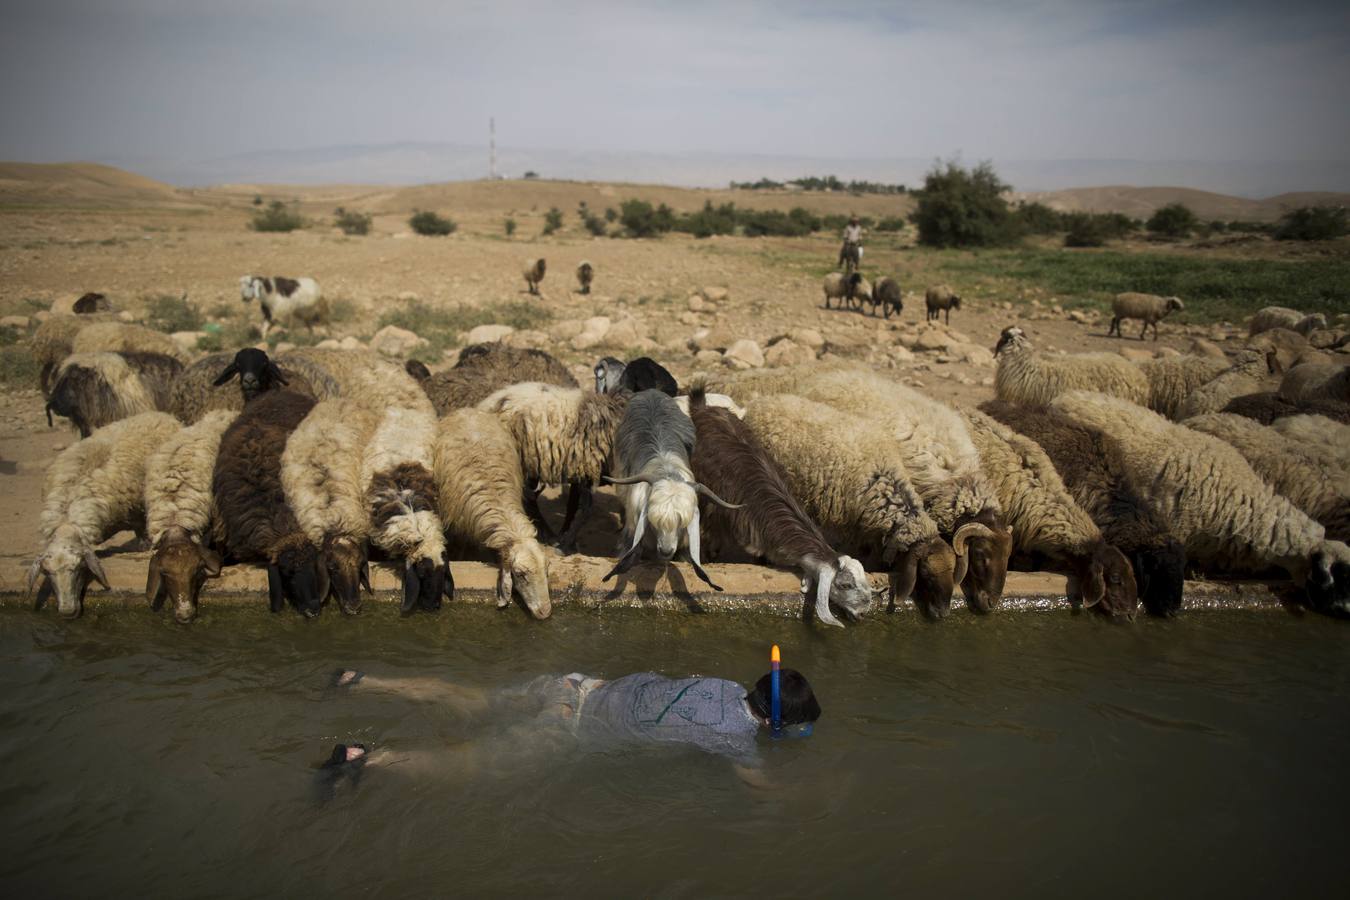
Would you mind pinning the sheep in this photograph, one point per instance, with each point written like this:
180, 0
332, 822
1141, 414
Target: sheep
717, 401
656, 484
86, 303
485, 368
51, 341
1085, 462
204, 385
1310, 475
286, 299
92, 490
585, 274
478, 487
1149, 308
534, 273
1050, 531
643, 373
888, 296
1284, 348
1172, 379
94, 389
400, 492
180, 519
1028, 378
1229, 519
938, 299
257, 523
1282, 317
770, 523
855, 486
844, 288
1247, 375
1316, 432
563, 436
1268, 406
1310, 381
121, 337
321, 479
358, 375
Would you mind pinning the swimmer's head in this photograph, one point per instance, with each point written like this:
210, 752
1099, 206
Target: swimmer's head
798, 701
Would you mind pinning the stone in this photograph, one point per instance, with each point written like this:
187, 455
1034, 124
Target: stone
624, 333
1166, 351
566, 329
126, 316
1133, 354
527, 339
487, 334
932, 339
1077, 315
1202, 347
593, 331
328, 344
788, 353
407, 297
745, 354
41, 316
715, 294
806, 337
183, 340
283, 347
394, 341
708, 356
351, 342
689, 318
973, 354
19, 322
697, 304
900, 354
713, 339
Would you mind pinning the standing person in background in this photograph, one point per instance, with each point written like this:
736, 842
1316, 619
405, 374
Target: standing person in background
850, 255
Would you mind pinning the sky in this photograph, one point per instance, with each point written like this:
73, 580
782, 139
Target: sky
1054, 79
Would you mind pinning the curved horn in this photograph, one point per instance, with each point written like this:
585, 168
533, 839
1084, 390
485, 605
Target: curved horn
962, 563
152, 585
902, 581
966, 532
823, 597
631, 479
96, 569
707, 492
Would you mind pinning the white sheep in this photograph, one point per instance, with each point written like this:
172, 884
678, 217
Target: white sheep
1283, 317
1171, 379
844, 288
1149, 308
357, 375
938, 299
93, 489
285, 299
1249, 374
180, 518
1028, 378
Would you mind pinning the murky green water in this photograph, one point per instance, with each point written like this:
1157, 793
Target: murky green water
1031, 754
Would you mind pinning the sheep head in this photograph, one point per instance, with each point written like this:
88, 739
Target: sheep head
66, 567
1160, 574
608, 371
956, 302
297, 574
256, 371
178, 568
982, 550
925, 573
348, 571
250, 287
523, 572
425, 581
1011, 338
1103, 580
1326, 582
1174, 303
842, 584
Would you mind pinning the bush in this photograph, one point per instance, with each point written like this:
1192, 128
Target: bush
1037, 218
18, 367
552, 220
963, 208
257, 199
169, 314
610, 215
510, 226
709, 221
1175, 220
1313, 223
772, 223
891, 223
639, 219
441, 326
590, 221
277, 218
430, 224
1095, 229
531, 175
351, 222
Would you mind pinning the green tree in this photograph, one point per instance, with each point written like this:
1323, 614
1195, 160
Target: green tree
1313, 223
961, 207
1175, 220
428, 223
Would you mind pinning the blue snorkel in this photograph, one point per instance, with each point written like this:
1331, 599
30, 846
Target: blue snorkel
776, 703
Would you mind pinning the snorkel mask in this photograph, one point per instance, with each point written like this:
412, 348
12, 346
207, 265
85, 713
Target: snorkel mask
777, 730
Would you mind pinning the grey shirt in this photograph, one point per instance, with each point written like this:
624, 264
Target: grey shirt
708, 713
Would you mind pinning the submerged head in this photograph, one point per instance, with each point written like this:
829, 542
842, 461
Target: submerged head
66, 567
179, 566
425, 581
985, 548
1327, 582
926, 574
523, 573
1103, 581
671, 508
797, 702
297, 574
1160, 575
345, 561
850, 591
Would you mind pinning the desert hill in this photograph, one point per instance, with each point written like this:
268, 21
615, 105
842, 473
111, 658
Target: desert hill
1141, 202
84, 185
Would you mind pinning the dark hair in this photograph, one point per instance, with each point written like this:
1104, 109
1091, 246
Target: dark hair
797, 699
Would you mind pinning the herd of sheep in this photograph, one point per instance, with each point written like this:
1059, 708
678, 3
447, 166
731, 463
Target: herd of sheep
1123, 477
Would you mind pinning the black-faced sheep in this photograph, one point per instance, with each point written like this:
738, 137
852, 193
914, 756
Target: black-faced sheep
534, 273
888, 296
1085, 461
939, 299
479, 485
206, 384
1148, 308
1050, 531
94, 389
585, 274
83, 305
258, 524
92, 490
1282, 317
769, 522
642, 374
656, 483
180, 518
1028, 378
1230, 520
852, 481
285, 300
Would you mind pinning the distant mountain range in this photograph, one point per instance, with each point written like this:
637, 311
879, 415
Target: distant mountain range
413, 163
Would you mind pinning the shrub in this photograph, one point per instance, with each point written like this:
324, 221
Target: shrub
18, 367
1313, 223
531, 174
1175, 220
772, 222
510, 226
1085, 231
639, 219
709, 220
590, 221
277, 218
351, 222
552, 220
891, 223
1037, 218
169, 314
257, 199
610, 215
430, 224
963, 208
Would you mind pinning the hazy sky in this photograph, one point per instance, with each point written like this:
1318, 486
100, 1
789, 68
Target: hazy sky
180, 79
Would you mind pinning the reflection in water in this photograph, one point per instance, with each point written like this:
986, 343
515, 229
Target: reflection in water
1024, 753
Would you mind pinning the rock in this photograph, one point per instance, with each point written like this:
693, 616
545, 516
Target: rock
593, 331
713, 339
624, 333
394, 341
689, 318
41, 316
487, 334
126, 316
707, 357
973, 354
566, 329
1135, 355
1166, 351
1077, 315
351, 342
900, 354
788, 353
328, 344
744, 354
527, 340
283, 347
932, 339
1202, 347
715, 294
19, 322
806, 337
697, 304
183, 340
407, 297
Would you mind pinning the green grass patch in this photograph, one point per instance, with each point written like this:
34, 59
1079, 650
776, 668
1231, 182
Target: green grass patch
168, 313
277, 218
1212, 289
18, 367
441, 326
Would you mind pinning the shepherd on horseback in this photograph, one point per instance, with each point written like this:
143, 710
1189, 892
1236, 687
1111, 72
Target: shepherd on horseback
850, 255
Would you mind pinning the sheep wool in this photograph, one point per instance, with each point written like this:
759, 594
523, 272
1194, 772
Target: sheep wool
1028, 378
178, 477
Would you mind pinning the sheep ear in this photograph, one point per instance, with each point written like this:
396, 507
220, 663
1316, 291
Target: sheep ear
275, 372
364, 576
276, 596
823, 584
230, 371
153, 595
504, 581
44, 593
96, 569
211, 561
694, 554
625, 562
448, 587
412, 587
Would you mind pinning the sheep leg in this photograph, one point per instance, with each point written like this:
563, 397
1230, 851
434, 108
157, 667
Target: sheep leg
1145, 331
530, 501
579, 500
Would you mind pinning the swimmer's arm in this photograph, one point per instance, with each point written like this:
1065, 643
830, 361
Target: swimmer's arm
753, 776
